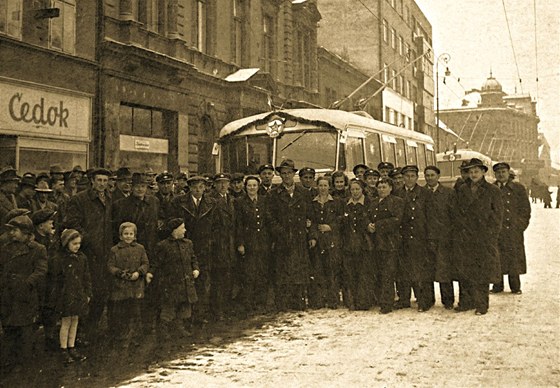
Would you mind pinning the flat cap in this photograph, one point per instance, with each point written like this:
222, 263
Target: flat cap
409, 168
500, 165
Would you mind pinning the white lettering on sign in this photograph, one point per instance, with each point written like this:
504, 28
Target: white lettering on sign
143, 145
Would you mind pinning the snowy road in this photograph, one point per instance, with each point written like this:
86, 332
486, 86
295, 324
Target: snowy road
516, 344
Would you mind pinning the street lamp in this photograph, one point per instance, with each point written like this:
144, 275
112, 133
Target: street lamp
445, 58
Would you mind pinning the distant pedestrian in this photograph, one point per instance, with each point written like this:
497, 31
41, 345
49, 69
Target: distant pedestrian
73, 291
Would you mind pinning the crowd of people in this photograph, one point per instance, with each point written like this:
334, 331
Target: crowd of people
159, 253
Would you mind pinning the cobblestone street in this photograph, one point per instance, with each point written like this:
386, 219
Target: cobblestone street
516, 344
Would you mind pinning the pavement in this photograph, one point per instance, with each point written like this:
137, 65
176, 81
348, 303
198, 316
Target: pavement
517, 344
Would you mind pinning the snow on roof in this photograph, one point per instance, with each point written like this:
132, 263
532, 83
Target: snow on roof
298, 1
444, 126
242, 75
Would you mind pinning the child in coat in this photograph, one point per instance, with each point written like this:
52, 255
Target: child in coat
73, 291
175, 268
128, 263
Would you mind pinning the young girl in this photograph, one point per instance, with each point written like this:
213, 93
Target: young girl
73, 285
128, 263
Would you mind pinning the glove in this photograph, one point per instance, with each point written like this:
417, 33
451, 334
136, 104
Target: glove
195, 273
149, 277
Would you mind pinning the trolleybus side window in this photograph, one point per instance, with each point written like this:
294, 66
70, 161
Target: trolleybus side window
401, 160
308, 149
259, 152
430, 156
411, 154
354, 151
421, 151
388, 148
373, 149
235, 155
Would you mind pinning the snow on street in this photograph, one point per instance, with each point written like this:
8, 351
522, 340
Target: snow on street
516, 344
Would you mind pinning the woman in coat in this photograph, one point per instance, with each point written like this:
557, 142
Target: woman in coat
326, 214
357, 249
252, 239
385, 224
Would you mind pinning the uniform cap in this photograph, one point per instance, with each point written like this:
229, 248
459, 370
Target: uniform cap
371, 171
28, 179
100, 171
433, 168
164, 177
195, 179
408, 168
385, 165
500, 165
265, 167
306, 170
42, 215
394, 172
237, 177
222, 177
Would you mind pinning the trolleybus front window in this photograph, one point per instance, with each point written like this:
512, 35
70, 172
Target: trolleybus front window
308, 149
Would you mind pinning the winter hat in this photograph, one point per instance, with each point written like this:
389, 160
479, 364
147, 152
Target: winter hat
174, 223
22, 222
68, 235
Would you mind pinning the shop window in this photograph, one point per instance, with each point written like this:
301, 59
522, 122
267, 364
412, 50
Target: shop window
139, 121
62, 31
10, 18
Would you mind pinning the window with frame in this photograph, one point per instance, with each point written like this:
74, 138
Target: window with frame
141, 121
10, 18
407, 90
401, 45
401, 158
385, 73
268, 44
385, 31
62, 29
373, 149
393, 38
394, 79
152, 14
407, 52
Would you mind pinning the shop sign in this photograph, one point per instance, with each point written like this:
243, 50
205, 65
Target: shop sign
43, 112
152, 145
141, 144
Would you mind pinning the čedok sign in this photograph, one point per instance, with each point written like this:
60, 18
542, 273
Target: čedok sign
43, 113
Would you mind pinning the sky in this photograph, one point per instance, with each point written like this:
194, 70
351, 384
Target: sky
475, 35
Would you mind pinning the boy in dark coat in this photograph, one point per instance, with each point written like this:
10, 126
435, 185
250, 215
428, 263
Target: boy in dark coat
175, 269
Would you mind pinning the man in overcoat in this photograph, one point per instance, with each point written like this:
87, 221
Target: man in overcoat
517, 213
416, 266
439, 244
223, 258
480, 210
23, 266
9, 181
289, 211
90, 213
197, 210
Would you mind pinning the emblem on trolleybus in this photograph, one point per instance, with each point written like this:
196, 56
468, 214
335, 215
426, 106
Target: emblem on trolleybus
275, 127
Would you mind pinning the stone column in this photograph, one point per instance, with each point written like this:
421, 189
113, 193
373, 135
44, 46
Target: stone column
172, 10
128, 9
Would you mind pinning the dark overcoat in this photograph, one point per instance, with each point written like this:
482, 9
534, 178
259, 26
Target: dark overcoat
415, 263
7, 203
480, 213
517, 213
223, 233
142, 212
165, 206
441, 239
326, 255
92, 218
130, 258
288, 219
252, 230
73, 283
36, 205
199, 222
23, 267
173, 267
387, 216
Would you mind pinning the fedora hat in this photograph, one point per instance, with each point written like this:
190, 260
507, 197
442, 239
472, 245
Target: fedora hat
288, 163
9, 175
43, 187
475, 162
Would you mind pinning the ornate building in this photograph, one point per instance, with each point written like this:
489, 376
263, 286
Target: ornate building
501, 126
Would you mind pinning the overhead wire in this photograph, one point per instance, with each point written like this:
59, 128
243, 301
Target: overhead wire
512, 46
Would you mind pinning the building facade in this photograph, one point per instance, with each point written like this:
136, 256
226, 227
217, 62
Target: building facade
392, 40
501, 126
48, 83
